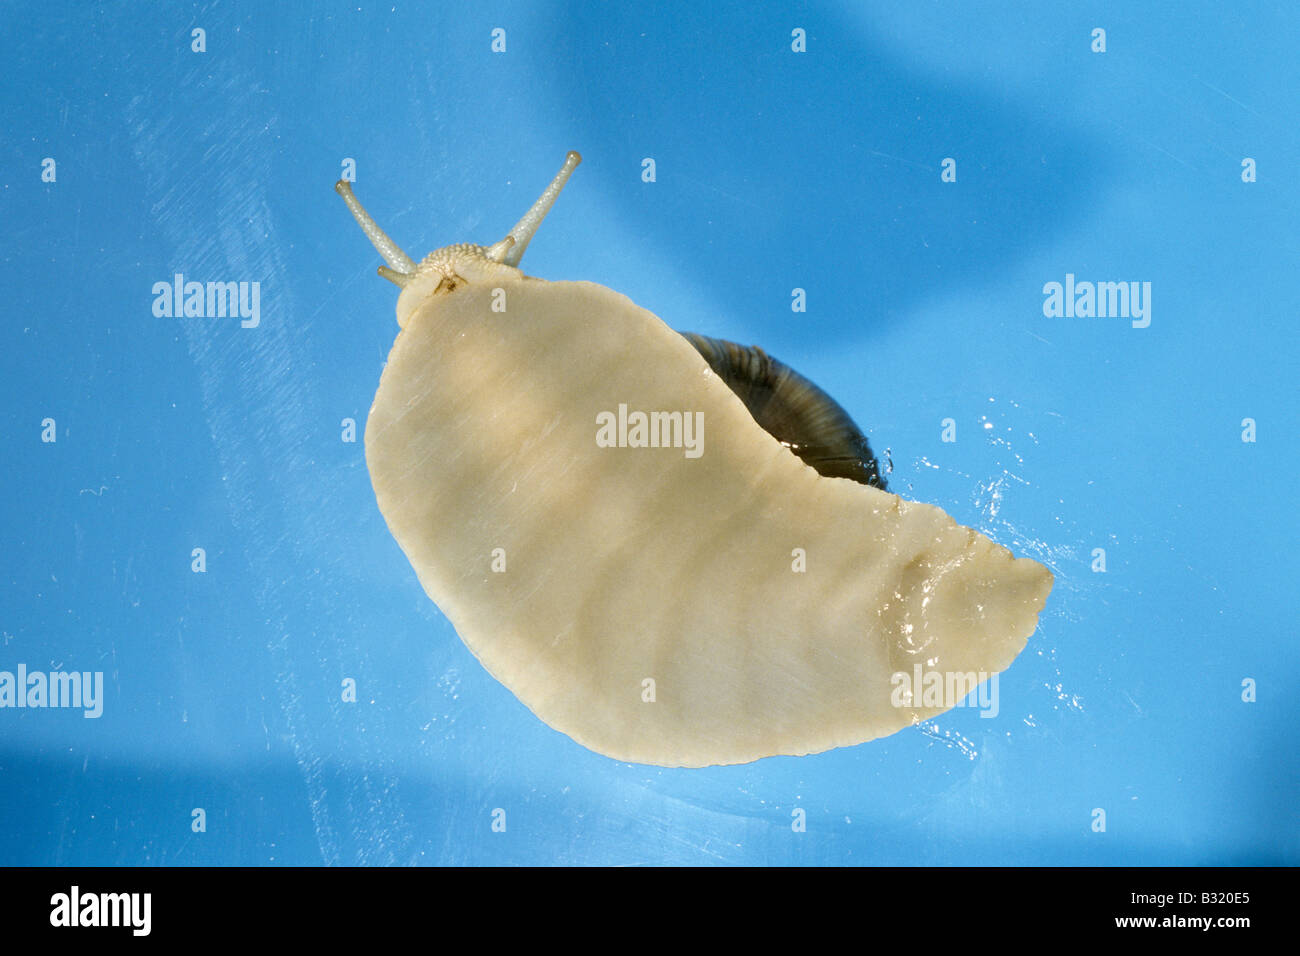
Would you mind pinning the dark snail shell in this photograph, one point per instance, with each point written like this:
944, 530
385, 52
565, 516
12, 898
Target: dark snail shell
793, 410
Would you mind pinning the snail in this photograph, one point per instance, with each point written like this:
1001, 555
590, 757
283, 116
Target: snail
674, 549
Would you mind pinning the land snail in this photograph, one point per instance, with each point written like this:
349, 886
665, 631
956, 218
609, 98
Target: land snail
674, 549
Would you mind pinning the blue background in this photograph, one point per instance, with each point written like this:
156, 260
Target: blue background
775, 170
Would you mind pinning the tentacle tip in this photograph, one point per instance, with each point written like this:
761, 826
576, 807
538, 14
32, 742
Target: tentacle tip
498, 250
343, 187
572, 158
399, 279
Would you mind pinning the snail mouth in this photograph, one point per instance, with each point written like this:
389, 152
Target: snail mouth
448, 284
